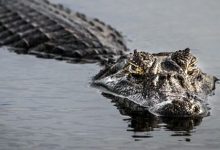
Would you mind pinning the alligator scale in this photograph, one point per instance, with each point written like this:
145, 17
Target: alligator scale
165, 84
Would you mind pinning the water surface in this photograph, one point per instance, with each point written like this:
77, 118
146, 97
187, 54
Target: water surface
48, 104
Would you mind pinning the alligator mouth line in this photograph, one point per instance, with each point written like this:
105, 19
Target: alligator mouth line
167, 109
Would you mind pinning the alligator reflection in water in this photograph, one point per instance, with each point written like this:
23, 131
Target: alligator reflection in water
142, 121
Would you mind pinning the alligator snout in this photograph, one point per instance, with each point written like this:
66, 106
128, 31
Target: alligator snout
180, 108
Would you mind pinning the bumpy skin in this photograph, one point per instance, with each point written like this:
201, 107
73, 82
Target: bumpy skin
49, 30
166, 84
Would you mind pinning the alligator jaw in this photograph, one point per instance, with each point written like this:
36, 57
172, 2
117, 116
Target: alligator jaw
179, 108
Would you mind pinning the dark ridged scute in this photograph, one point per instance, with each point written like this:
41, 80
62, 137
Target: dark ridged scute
53, 31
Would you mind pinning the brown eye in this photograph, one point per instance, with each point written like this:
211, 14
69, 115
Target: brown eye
192, 65
190, 72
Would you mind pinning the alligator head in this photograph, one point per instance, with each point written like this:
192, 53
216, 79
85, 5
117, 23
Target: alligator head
167, 84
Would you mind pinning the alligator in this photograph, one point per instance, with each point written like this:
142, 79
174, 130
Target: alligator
164, 84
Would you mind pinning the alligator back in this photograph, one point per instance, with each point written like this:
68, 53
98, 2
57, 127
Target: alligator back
52, 31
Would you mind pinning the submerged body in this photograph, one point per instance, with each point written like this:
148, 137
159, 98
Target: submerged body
166, 84
47, 30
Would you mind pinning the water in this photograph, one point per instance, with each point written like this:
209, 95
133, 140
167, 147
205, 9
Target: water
48, 104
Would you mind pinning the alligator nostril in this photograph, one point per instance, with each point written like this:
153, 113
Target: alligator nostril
196, 109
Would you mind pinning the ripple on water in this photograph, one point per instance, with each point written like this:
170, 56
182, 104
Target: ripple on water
47, 104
